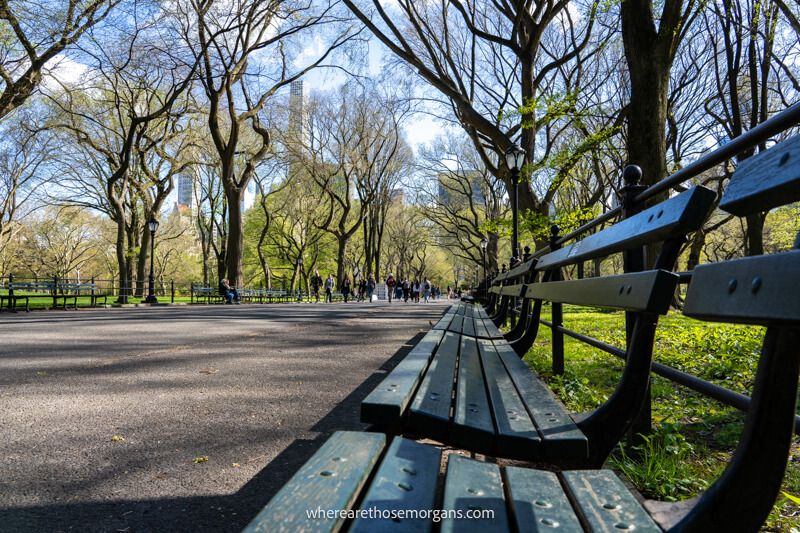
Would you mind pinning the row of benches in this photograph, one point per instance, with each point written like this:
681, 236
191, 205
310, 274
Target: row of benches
465, 385
203, 294
24, 291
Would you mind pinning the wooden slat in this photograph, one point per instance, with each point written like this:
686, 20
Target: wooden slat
430, 409
469, 327
513, 290
516, 434
752, 290
468, 310
473, 485
331, 479
676, 216
405, 481
522, 269
480, 329
387, 403
472, 421
650, 291
769, 179
495, 289
538, 503
561, 438
457, 324
493, 331
444, 322
605, 504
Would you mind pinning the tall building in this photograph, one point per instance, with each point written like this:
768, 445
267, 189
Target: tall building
446, 195
397, 196
186, 191
296, 107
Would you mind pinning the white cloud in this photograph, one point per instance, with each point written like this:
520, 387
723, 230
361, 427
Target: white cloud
65, 70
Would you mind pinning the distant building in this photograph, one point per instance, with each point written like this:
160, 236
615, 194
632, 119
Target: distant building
448, 186
296, 107
185, 190
397, 196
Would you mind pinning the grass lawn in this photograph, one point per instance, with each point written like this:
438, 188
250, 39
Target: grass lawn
693, 436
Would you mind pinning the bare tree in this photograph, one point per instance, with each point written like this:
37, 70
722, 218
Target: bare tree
34, 35
244, 47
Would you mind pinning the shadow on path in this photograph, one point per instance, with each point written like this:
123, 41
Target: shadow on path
202, 513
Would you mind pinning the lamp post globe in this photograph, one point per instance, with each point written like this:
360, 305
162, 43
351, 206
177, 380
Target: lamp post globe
515, 158
151, 296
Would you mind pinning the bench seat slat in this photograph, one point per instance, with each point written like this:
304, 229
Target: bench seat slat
493, 331
561, 438
538, 502
444, 322
471, 484
405, 480
605, 503
675, 216
331, 479
456, 324
649, 291
468, 327
516, 434
472, 422
430, 410
746, 290
386, 404
480, 329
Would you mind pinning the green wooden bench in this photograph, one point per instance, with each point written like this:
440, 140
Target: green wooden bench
463, 385
374, 482
55, 291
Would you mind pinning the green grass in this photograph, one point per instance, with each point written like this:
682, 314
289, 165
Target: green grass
693, 436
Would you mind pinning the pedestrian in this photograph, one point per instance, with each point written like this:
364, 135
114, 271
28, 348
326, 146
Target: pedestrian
415, 291
370, 287
330, 283
390, 283
346, 288
362, 289
406, 290
426, 290
449, 293
316, 283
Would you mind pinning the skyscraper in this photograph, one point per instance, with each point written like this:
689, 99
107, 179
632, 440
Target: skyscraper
185, 191
296, 108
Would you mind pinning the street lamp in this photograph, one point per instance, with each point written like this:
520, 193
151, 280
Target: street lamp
300, 284
151, 297
484, 244
515, 157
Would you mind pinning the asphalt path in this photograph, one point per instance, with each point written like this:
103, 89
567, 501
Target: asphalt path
180, 418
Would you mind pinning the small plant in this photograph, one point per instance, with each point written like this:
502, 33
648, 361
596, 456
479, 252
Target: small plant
659, 467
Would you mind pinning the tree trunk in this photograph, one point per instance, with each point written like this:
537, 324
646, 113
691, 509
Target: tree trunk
340, 267
122, 262
235, 246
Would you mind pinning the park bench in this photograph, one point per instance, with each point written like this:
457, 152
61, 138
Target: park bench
379, 475
54, 290
203, 294
463, 385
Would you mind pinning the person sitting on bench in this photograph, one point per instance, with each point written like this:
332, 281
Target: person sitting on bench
229, 293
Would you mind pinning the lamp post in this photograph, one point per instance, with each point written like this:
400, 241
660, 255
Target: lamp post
151, 297
300, 274
484, 245
515, 157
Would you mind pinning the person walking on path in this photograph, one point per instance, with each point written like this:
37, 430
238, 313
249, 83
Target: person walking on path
426, 290
390, 283
316, 283
362, 289
330, 283
415, 291
370, 287
346, 288
406, 290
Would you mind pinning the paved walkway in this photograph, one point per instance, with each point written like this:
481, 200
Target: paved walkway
255, 389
